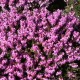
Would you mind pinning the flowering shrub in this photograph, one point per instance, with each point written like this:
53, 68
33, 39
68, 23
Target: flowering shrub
36, 44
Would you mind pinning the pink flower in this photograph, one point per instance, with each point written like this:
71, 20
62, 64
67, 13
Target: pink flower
59, 73
74, 65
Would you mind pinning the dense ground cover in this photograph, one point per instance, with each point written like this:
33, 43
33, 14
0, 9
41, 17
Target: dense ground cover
39, 40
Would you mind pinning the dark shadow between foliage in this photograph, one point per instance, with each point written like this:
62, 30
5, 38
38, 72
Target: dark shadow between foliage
57, 4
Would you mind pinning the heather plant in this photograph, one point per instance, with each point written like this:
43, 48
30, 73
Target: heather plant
36, 43
73, 5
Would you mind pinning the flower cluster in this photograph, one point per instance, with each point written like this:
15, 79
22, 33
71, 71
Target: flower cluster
36, 44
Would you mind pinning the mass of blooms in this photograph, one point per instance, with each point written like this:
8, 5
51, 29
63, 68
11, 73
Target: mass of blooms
36, 44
